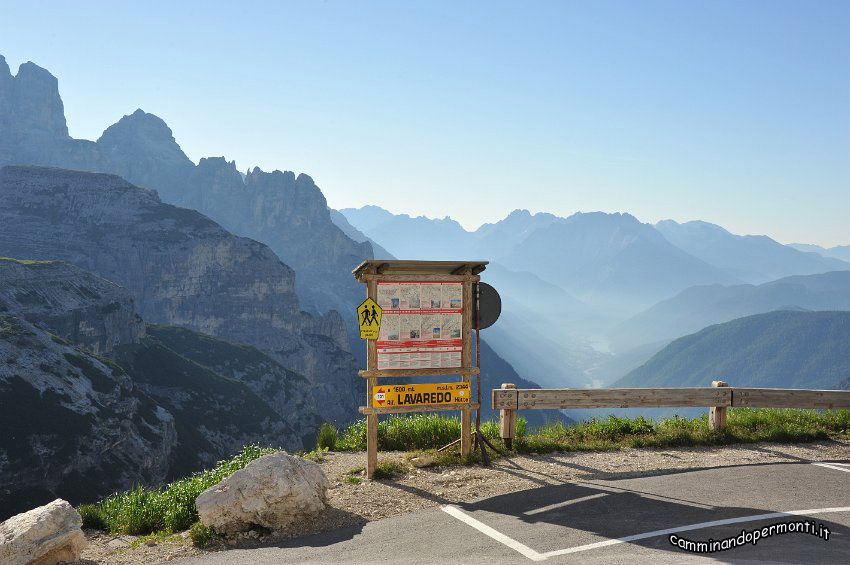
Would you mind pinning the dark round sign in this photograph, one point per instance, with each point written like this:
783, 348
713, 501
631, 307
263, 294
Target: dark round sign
491, 306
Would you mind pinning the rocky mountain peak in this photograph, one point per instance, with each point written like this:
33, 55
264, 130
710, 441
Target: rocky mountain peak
141, 130
30, 101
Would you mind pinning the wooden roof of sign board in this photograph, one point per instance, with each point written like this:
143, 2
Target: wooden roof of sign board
397, 267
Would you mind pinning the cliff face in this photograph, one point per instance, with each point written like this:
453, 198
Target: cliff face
84, 309
215, 396
181, 268
290, 214
72, 423
288, 394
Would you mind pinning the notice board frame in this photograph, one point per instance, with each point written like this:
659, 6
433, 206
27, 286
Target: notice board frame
373, 271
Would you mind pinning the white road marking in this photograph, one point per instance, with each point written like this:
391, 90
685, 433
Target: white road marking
565, 503
698, 526
833, 466
535, 556
495, 534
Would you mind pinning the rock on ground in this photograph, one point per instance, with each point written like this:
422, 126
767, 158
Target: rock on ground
273, 491
43, 536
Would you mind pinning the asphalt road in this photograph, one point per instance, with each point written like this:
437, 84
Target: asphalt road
617, 521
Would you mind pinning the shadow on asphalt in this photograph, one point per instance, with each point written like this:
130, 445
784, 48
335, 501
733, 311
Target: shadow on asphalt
613, 512
323, 538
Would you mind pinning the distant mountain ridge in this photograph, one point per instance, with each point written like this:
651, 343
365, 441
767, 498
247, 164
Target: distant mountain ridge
837, 252
701, 306
600, 257
751, 258
783, 349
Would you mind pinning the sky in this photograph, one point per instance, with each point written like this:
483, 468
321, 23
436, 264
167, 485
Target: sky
733, 112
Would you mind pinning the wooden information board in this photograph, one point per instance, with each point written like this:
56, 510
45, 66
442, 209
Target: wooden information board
425, 330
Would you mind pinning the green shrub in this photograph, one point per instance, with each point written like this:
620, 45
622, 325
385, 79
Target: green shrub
202, 535
415, 432
327, 437
143, 510
389, 470
92, 516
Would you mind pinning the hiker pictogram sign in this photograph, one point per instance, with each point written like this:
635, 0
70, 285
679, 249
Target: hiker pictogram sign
369, 319
421, 394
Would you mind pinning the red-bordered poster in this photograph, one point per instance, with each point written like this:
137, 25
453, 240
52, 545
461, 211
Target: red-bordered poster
421, 324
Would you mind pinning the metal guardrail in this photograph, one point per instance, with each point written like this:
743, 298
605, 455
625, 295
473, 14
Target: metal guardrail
717, 398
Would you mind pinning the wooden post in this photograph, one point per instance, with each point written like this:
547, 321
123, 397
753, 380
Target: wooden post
717, 414
466, 362
507, 422
371, 419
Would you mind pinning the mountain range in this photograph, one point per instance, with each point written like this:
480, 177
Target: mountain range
781, 349
838, 251
570, 285
285, 211
750, 258
701, 306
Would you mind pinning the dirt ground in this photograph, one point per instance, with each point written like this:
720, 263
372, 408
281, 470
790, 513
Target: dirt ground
353, 500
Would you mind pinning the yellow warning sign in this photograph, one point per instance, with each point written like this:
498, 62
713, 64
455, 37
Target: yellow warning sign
420, 395
369, 318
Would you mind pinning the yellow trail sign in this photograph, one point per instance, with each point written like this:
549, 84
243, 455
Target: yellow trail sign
420, 395
369, 319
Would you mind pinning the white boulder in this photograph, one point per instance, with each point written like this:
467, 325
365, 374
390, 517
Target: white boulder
45, 535
273, 491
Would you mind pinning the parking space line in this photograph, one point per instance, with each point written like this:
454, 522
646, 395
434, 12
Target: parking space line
698, 526
833, 466
536, 556
565, 503
495, 534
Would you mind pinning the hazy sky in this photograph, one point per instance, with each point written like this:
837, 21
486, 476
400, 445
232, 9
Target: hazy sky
732, 112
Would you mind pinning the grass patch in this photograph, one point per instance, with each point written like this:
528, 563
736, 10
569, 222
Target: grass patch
202, 535
389, 470
424, 432
416, 432
143, 510
27, 261
743, 425
327, 437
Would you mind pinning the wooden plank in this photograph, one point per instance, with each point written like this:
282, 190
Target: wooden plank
621, 398
371, 419
386, 373
408, 409
419, 277
394, 266
790, 398
466, 361
505, 399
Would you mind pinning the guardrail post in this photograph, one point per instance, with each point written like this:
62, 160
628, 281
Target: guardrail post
507, 422
717, 414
